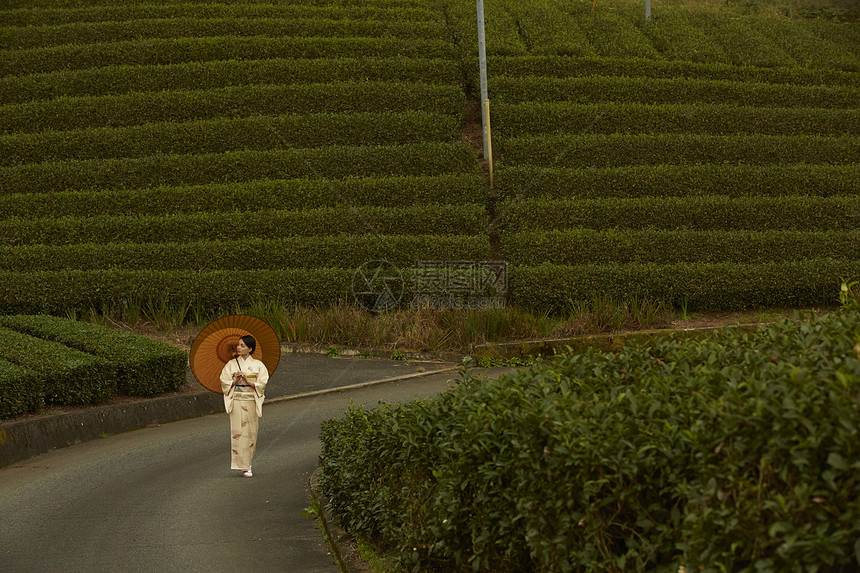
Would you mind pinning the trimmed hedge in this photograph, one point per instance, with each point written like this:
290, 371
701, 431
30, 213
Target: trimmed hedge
116, 80
733, 453
678, 181
238, 166
144, 367
419, 219
545, 28
21, 390
71, 376
55, 292
71, 4
613, 35
174, 51
633, 118
699, 286
593, 89
802, 44
86, 33
341, 251
223, 135
570, 67
617, 150
583, 246
702, 213
741, 42
241, 101
677, 36
285, 194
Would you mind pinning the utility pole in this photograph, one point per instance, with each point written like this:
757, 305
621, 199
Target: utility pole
482, 59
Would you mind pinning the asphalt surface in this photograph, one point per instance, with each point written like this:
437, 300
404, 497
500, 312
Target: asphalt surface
164, 499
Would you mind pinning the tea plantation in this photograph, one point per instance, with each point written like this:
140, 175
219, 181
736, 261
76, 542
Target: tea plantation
216, 152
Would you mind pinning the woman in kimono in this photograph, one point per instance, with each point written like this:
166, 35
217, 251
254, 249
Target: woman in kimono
243, 381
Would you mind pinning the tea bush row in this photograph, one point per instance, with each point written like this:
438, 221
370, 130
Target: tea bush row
734, 452
678, 181
91, 4
70, 376
339, 251
144, 367
285, 194
709, 213
128, 11
646, 90
468, 219
116, 80
801, 43
173, 51
231, 134
615, 150
316, 163
695, 286
68, 113
86, 33
20, 390
56, 292
742, 43
562, 67
707, 119
583, 246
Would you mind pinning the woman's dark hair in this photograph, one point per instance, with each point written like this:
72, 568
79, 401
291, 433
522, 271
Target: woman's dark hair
249, 342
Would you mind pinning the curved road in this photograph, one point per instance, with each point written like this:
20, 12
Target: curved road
164, 499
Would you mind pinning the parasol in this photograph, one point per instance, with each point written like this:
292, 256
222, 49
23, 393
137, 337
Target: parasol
216, 345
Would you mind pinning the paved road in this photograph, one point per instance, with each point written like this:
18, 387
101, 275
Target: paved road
164, 499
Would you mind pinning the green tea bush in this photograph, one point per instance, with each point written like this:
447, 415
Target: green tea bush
803, 45
742, 43
284, 194
71, 376
647, 90
615, 36
571, 67
617, 149
565, 117
545, 28
340, 251
697, 286
677, 35
701, 213
223, 135
778, 180
583, 246
240, 101
21, 390
85, 33
150, 52
237, 166
144, 367
415, 220
732, 453
116, 80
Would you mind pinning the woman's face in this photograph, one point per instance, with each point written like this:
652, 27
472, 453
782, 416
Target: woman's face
242, 349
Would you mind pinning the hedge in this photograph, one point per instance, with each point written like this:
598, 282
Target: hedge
222, 135
619, 149
56, 292
323, 163
699, 286
742, 43
56, 16
89, 4
284, 194
419, 219
732, 453
340, 251
71, 376
583, 246
569, 67
145, 367
678, 181
715, 213
174, 51
706, 119
86, 33
68, 113
544, 27
677, 36
21, 390
593, 89
802, 44
116, 80
614, 35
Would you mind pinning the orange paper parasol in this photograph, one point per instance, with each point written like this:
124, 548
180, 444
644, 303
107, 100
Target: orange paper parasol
216, 345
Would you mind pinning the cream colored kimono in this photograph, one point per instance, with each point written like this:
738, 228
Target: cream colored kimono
245, 407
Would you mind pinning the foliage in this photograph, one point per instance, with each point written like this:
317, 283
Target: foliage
733, 453
21, 389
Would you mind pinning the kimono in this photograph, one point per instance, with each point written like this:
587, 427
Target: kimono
245, 407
